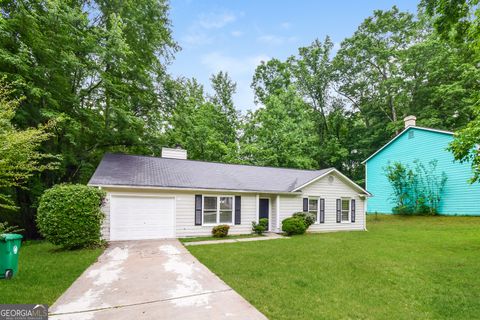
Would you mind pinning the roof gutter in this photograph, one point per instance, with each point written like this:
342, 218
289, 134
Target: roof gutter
189, 189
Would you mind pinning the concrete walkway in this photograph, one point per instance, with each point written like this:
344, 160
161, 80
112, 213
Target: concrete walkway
156, 279
267, 236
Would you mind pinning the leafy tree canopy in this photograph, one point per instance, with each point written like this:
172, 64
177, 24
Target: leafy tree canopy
89, 77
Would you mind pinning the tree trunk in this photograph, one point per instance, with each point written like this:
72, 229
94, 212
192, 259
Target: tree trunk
394, 112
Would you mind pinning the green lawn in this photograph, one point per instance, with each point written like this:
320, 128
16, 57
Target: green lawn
402, 268
205, 238
45, 273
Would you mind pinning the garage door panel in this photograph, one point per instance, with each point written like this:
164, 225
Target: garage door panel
137, 217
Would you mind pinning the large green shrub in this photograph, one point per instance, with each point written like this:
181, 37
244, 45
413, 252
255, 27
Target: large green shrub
220, 231
258, 228
294, 225
263, 222
70, 215
308, 218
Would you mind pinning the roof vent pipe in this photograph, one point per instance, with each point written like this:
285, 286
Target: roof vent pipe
410, 121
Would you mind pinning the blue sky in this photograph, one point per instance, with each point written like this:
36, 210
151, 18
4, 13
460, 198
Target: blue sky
234, 36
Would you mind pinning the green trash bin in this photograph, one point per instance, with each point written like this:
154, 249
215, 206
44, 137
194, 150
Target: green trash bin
9, 246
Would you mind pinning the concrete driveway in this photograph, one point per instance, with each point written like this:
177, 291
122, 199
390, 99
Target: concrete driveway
156, 279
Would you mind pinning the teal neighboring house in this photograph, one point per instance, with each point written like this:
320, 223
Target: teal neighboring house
425, 144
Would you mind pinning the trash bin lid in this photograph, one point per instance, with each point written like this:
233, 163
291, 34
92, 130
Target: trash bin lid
10, 236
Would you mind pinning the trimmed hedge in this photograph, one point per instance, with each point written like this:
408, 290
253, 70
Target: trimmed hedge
294, 225
220, 231
260, 227
70, 215
263, 222
308, 218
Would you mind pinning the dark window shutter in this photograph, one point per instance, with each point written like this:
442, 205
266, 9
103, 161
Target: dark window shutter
305, 204
322, 210
352, 210
198, 209
339, 210
238, 210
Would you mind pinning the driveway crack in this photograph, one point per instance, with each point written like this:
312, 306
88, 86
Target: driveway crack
141, 303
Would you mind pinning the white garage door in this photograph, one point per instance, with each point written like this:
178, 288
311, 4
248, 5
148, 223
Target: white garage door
137, 217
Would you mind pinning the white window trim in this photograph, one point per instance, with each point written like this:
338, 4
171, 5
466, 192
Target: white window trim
349, 209
318, 207
218, 210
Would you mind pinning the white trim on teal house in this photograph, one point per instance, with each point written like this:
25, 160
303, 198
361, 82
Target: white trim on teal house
425, 144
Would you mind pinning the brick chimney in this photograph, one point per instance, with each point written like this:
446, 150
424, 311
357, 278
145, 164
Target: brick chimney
410, 121
174, 153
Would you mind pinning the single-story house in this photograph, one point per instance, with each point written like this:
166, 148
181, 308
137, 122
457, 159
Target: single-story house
170, 196
424, 144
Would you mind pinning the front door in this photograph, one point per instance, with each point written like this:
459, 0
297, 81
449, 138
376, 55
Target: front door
264, 208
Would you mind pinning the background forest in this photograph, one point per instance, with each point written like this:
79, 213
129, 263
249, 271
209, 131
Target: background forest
82, 78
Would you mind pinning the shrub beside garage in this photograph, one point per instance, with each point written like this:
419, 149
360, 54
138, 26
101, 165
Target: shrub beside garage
69, 215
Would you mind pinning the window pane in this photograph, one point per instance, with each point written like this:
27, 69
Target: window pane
210, 203
209, 216
226, 203
225, 216
345, 209
210, 210
313, 207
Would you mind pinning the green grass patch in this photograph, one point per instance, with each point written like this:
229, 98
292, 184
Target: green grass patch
205, 238
402, 268
45, 272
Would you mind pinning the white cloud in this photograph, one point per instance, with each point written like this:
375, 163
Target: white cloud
195, 38
200, 31
236, 33
286, 25
215, 20
275, 40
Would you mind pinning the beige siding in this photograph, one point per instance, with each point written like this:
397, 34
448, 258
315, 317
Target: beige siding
330, 191
288, 206
273, 213
185, 216
185, 211
185, 206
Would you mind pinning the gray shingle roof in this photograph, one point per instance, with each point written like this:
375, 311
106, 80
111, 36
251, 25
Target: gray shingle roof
129, 170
